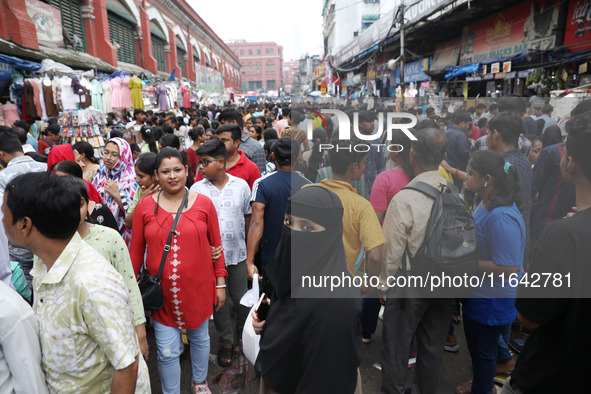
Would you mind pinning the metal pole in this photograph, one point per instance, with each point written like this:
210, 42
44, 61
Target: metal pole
402, 44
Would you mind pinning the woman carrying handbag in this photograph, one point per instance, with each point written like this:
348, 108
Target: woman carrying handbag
191, 284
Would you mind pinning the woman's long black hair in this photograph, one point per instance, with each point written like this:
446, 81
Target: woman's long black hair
148, 137
506, 187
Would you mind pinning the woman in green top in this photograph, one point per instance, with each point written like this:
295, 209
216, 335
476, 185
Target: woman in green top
109, 243
150, 144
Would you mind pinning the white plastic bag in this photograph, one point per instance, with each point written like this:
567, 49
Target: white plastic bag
250, 340
251, 297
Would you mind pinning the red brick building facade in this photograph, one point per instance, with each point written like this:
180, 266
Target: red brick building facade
261, 65
157, 35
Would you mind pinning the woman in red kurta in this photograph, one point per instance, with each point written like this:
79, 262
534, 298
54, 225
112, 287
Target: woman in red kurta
191, 283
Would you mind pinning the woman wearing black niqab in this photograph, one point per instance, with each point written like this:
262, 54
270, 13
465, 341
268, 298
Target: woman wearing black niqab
311, 341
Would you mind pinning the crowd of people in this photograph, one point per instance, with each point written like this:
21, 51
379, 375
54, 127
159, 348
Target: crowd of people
211, 196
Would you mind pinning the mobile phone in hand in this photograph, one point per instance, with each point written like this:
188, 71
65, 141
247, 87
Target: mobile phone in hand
262, 307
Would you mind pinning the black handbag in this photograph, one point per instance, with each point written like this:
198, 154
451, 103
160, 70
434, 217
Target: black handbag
150, 286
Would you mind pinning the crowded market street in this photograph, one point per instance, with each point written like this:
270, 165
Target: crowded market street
342, 196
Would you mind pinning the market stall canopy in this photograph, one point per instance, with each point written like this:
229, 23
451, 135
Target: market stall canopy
73, 59
20, 63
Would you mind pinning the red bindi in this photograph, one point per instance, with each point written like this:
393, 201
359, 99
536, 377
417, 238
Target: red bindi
169, 157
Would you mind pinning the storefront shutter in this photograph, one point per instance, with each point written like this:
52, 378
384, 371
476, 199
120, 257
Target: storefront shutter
158, 52
123, 33
71, 20
180, 54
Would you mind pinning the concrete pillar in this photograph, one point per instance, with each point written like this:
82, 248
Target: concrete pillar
96, 31
150, 62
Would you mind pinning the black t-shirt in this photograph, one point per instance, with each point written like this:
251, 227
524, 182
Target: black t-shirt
557, 355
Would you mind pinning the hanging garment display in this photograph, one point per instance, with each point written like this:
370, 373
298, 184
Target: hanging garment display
126, 92
116, 94
37, 97
51, 108
56, 89
70, 100
106, 88
97, 93
29, 102
162, 92
137, 101
10, 113
185, 92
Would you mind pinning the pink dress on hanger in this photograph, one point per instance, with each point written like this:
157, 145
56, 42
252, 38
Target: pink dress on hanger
186, 102
116, 94
126, 93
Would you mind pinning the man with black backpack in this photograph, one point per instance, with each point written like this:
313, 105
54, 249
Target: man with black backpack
428, 205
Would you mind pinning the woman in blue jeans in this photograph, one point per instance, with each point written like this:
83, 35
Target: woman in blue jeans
490, 309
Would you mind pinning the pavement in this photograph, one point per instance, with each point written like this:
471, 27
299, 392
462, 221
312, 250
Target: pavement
456, 368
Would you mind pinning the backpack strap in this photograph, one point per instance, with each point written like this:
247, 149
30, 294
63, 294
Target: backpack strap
424, 188
48, 142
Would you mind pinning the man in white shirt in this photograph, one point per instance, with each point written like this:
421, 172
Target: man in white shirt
231, 197
20, 352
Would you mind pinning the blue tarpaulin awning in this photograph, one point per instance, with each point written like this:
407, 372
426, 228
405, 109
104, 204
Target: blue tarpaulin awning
20, 63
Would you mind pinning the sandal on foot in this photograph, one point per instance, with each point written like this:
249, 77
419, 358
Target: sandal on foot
464, 388
226, 352
200, 388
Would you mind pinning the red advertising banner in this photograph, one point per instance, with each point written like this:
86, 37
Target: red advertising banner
527, 26
577, 35
48, 22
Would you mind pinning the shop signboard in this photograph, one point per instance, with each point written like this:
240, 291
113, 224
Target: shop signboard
473, 79
507, 66
446, 55
510, 75
577, 34
5, 75
531, 25
208, 79
48, 23
488, 76
523, 74
379, 30
500, 76
583, 68
495, 67
413, 72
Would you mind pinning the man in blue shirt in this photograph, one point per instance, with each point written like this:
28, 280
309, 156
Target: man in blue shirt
269, 199
548, 121
458, 144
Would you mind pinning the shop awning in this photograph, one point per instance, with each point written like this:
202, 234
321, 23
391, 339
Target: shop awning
20, 63
77, 60
461, 70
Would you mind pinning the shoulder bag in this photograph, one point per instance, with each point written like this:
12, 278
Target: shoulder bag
149, 285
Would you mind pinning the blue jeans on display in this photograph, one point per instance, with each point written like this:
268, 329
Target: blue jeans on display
482, 344
169, 344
